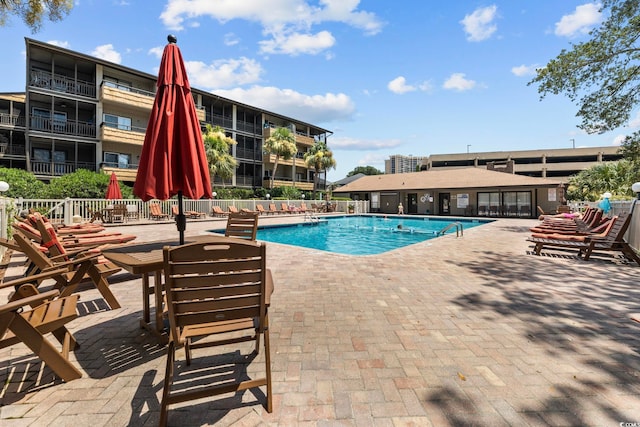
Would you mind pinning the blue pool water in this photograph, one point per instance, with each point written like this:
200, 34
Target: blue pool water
359, 235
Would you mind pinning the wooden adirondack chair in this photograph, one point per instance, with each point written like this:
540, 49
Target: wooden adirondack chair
77, 270
220, 291
47, 314
243, 225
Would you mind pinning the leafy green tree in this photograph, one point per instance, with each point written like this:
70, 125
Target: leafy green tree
22, 184
83, 184
366, 170
602, 74
282, 143
321, 159
615, 177
217, 145
32, 12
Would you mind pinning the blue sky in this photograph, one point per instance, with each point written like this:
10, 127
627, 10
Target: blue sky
408, 77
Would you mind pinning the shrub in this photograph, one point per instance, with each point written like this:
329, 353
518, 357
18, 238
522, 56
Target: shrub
22, 184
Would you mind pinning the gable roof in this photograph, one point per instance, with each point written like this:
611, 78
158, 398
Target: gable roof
458, 178
349, 179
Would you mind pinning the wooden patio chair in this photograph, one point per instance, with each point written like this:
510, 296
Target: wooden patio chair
218, 290
155, 212
233, 209
29, 316
274, 210
243, 225
174, 210
612, 241
84, 266
261, 210
217, 211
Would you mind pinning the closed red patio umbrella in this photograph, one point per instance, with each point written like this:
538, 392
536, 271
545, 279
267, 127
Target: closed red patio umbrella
173, 160
113, 189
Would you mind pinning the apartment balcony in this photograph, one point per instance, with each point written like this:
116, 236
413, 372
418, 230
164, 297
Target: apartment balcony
59, 168
124, 174
300, 139
133, 135
40, 79
298, 160
288, 182
135, 98
12, 150
131, 98
62, 126
12, 120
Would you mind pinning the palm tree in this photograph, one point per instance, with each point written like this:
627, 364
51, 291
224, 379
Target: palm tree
216, 146
282, 143
321, 159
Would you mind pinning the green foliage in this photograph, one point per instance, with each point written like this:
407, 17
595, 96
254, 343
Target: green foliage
290, 192
33, 11
233, 193
601, 75
217, 147
282, 143
367, 170
83, 184
615, 177
321, 159
22, 184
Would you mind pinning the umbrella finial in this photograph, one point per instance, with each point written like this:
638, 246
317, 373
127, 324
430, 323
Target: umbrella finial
172, 39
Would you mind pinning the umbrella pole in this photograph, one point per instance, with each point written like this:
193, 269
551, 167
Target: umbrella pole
181, 219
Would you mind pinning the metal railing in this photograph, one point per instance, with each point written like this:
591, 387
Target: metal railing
457, 225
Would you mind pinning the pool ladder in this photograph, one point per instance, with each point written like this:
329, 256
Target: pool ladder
457, 225
313, 219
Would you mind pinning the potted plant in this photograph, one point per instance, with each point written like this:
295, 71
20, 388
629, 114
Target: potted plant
351, 208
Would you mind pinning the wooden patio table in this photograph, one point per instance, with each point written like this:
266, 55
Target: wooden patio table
146, 258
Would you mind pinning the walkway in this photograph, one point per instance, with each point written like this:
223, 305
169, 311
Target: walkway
455, 331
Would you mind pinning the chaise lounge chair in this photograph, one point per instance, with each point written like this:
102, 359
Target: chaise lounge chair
612, 241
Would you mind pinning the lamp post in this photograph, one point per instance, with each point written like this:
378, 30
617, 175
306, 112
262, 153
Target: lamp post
214, 194
302, 196
268, 196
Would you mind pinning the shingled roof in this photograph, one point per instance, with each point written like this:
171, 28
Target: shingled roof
459, 178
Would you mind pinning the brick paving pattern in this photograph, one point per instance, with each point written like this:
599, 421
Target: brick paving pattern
455, 331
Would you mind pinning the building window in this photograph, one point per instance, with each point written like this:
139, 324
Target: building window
117, 160
122, 123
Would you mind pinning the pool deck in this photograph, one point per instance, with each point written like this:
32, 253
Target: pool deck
453, 331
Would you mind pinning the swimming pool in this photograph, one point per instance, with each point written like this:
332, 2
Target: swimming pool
360, 234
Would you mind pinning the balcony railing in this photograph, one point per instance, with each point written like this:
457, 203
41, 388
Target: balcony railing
59, 169
249, 154
12, 150
60, 83
67, 127
127, 135
12, 120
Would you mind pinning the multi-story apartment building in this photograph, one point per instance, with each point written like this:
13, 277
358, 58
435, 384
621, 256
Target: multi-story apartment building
545, 163
78, 111
402, 164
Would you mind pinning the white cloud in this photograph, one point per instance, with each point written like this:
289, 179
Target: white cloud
524, 70
223, 73
356, 144
230, 39
310, 108
480, 24
399, 85
579, 22
286, 23
60, 43
618, 140
457, 81
156, 51
297, 43
108, 53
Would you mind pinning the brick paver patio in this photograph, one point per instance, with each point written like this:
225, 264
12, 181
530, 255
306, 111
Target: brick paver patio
455, 331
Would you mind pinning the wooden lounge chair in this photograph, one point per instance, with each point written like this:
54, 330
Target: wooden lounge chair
217, 290
217, 211
613, 241
49, 238
274, 210
29, 316
84, 266
155, 212
261, 210
243, 225
233, 209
